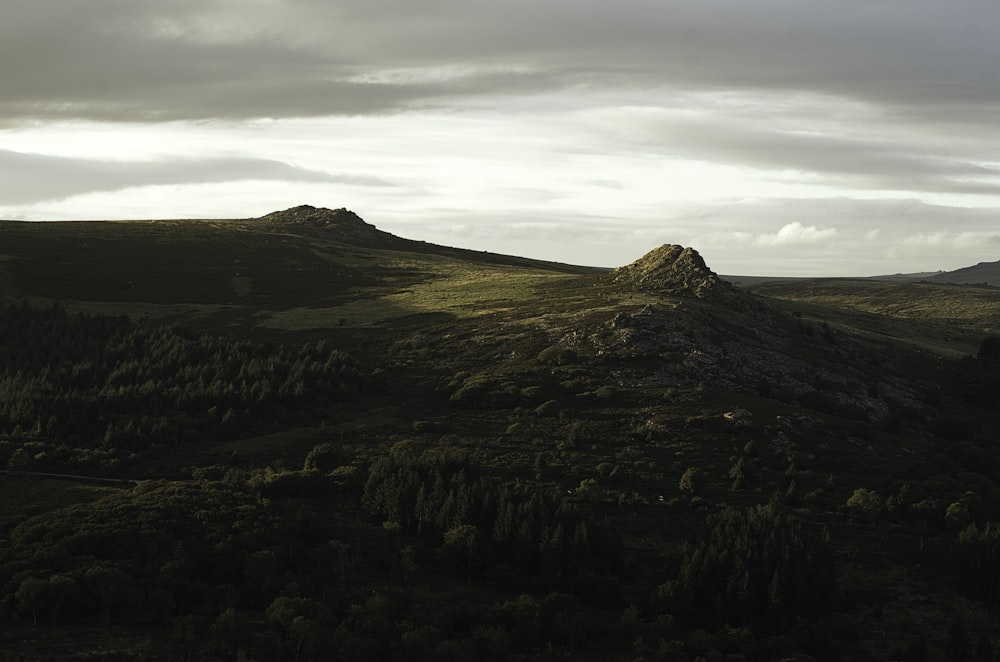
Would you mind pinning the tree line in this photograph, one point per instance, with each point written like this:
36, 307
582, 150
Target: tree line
440, 494
85, 390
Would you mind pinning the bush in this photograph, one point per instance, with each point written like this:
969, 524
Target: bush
323, 457
547, 409
687, 484
556, 355
957, 515
865, 501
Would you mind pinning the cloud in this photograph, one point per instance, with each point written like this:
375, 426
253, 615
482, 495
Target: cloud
795, 234
797, 146
949, 240
122, 60
27, 178
876, 236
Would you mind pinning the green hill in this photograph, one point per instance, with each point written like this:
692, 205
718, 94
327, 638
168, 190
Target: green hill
323, 440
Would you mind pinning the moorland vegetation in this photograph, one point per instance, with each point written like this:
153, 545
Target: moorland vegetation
299, 437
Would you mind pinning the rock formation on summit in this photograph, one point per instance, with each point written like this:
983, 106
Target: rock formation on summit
672, 269
341, 224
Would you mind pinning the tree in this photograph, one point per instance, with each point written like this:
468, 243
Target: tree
989, 350
984, 649
31, 596
464, 539
188, 631
229, 630
299, 620
738, 474
305, 632
19, 461
957, 515
977, 562
916, 650
751, 566
63, 592
957, 644
322, 457
687, 484
865, 501
407, 563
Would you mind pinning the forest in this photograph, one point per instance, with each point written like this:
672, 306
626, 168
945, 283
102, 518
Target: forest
235, 560
98, 393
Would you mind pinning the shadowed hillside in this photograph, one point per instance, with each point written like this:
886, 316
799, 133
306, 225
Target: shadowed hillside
984, 273
321, 441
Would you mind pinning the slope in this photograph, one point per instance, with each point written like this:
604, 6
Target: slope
984, 273
511, 459
233, 271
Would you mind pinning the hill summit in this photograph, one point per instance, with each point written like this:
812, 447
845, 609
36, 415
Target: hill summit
341, 224
671, 269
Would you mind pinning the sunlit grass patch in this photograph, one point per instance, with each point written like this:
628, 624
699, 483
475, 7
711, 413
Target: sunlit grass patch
465, 291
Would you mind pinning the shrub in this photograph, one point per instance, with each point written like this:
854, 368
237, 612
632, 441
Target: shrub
687, 484
865, 501
957, 515
548, 409
323, 457
556, 355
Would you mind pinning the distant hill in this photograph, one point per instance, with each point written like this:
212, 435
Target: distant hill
907, 278
752, 281
983, 273
298, 257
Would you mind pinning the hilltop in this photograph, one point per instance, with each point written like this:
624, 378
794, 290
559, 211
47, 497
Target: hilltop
340, 224
672, 269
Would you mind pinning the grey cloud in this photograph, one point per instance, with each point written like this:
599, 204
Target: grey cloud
124, 61
901, 162
26, 178
111, 59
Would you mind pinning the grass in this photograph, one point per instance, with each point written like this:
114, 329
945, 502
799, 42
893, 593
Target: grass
945, 319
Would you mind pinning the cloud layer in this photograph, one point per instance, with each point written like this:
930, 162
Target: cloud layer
115, 59
27, 178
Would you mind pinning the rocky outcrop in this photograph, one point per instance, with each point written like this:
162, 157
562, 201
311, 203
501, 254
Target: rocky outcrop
342, 224
672, 269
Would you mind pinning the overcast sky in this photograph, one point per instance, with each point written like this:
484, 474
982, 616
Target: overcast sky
782, 137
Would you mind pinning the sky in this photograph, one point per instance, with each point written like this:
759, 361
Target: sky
776, 137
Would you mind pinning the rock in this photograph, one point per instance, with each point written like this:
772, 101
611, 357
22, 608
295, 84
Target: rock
342, 224
672, 269
739, 417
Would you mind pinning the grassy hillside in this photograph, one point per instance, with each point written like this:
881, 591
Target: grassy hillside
946, 319
344, 442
